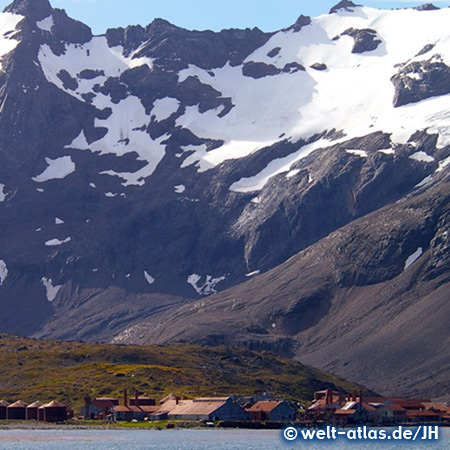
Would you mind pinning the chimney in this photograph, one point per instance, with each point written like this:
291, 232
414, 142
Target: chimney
125, 397
136, 397
329, 397
360, 397
353, 396
177, 400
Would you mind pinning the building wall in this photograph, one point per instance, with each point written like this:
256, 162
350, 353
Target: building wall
16, 413
230, 411
282, 413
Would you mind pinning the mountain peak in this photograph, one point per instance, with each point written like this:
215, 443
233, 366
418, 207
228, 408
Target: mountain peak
344, 4
37, 9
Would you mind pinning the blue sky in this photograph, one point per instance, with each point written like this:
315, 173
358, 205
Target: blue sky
269, 15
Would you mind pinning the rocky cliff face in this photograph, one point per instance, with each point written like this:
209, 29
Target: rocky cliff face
153, 166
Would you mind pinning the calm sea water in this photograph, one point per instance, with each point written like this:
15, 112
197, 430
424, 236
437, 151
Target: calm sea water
185, 440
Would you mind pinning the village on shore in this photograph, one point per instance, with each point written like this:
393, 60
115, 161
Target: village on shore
328, 407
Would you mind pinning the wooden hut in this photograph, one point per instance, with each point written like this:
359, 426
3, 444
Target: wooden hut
55, 412
33, 411
17, 411
3, 406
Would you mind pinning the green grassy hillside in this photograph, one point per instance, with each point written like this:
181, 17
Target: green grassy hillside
43, 370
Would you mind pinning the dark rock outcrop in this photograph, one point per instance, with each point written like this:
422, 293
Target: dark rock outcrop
420, 80
366, 40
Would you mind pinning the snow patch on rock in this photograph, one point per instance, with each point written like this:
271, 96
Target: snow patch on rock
8, 24
52, 291
413, 258
46, 24
55, 242
163, 108
3, 272
422, 157
148, 277
360, 153
2, 193
57, 169
208, 287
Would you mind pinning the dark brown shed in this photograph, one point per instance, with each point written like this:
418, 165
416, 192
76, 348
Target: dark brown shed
3, 406
17, 411
55, 412
33, 411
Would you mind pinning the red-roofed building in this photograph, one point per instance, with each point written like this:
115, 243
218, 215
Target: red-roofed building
17, 411
271, 410
423, 416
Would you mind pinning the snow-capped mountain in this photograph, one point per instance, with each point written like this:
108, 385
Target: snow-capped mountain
150, 167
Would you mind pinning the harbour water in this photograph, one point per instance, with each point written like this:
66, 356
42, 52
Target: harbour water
188, 440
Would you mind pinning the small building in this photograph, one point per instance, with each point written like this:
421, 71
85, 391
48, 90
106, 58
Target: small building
354, 412
17, 411
3, 409
271, 410
32, 412
54, 412
128, 413
98, 408
208, 409
391, 414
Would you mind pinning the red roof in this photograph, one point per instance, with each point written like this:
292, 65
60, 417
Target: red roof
54, 404
18, 404
394, 408
264, 405
345, 412
414, 413
102, 403
132, 408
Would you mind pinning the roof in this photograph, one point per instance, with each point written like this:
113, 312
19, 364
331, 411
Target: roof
414, 413
409, 402
132, 408
35, 405
4, 403
102, 403
265, 405
349, 405
345, 412
394, 407
375, 399
368, 407
190, 407
438, 406
324, 391
18, 404
54, 404
107, 399
211, 399
169, 405
171, 396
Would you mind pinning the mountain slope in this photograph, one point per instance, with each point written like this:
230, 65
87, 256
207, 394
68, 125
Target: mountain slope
70, 370
152, 166
369, 301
